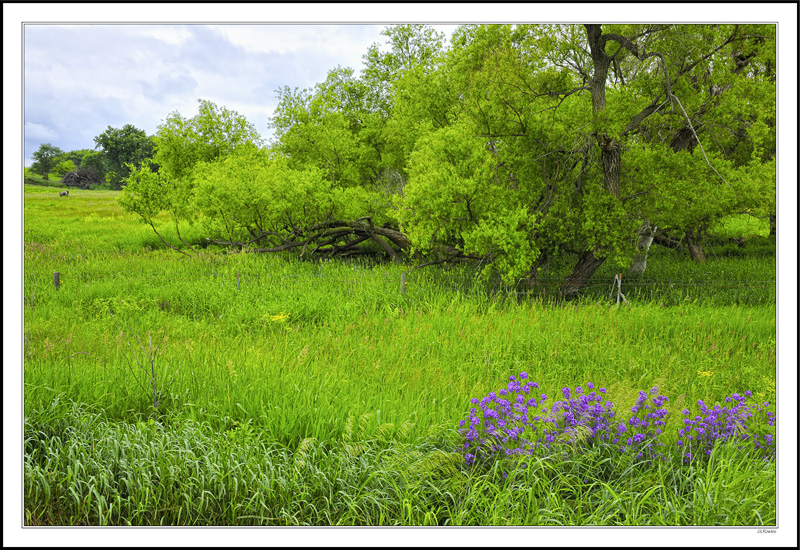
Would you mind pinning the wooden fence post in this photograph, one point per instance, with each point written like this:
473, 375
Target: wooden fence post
56, 279
403, 282
238, 276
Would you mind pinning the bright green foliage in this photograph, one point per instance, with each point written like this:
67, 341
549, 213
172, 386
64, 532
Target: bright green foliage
77, 156
94, 160
334, 128
515, 146
212, 133
123, 146
181, 144
252, 194
411, 47
45, 159
146, 193
454, 195
248, 192
63, 167
529, 92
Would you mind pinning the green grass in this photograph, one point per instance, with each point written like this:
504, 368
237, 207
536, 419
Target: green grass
297, 393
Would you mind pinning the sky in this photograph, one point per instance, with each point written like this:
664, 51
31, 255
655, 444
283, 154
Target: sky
72, 70
81, 79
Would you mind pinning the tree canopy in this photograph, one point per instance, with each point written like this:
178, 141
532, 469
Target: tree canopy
45, 159
123, 147
512, 145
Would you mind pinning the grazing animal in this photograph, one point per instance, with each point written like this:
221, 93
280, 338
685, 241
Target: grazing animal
64, 194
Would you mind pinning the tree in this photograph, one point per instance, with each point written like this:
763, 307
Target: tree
334, 128
45, 159
166, 183
63, 167
587, 124
123, 146
345, 125
181, 143
95, 162
411, 46
76, 156
257, 200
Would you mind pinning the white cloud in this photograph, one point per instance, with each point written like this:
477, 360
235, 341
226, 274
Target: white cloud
171, 34
39, 131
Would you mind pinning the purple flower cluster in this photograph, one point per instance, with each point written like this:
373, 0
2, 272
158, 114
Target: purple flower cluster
503, 423
579, 416
516, 421
732, 421
641, 431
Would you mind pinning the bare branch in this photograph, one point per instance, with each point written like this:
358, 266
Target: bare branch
689, 122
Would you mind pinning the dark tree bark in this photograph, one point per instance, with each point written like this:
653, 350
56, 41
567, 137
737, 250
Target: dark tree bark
695, 248
581, 273
609, 153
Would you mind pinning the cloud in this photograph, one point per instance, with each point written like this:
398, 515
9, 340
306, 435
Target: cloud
169, 84
39, 131
80, 79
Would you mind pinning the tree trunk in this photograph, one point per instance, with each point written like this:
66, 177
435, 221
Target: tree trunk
609, 153
612, 163
581, 273
695, 248
646, 234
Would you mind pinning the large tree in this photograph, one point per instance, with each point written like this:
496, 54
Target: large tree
45, 159
586, 125
166, 182
123, 147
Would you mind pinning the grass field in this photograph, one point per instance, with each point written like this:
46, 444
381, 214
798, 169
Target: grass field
239, 389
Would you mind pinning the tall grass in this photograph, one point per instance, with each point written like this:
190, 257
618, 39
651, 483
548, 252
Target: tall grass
300, 393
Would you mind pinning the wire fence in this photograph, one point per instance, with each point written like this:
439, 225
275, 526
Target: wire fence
417, 283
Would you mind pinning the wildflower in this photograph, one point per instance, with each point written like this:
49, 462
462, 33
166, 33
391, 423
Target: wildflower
281, 317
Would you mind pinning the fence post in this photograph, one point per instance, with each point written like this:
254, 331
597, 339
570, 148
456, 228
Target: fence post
238, 276
56, 279
619, 291
403, 282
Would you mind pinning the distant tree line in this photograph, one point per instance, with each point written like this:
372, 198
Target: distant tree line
110, 162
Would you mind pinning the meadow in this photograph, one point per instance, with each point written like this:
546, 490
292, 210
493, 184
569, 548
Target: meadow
243, 389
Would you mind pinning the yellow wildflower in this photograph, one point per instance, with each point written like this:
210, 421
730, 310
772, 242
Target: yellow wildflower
705, 373
281, 317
